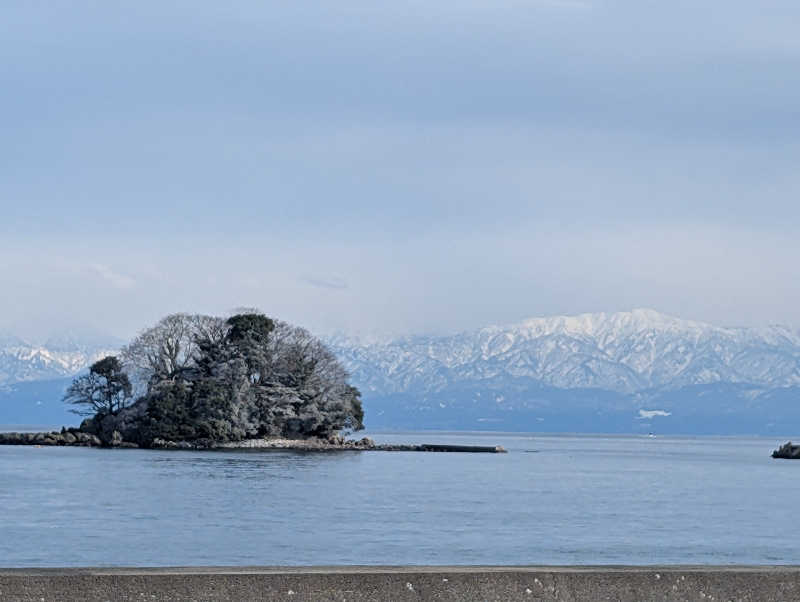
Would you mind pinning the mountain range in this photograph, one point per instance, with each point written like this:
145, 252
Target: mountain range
34, 376
58, 357
635, 371
624, 352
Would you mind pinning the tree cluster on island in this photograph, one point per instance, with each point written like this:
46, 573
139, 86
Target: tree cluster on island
205, 380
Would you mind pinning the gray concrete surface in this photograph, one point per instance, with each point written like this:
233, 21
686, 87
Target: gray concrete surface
355, 584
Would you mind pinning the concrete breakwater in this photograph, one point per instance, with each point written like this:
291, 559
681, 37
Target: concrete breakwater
75, 437
361, 584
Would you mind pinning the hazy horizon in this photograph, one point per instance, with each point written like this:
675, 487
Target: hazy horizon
406, 169
90, 334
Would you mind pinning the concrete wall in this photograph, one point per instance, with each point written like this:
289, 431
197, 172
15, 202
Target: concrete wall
355, 584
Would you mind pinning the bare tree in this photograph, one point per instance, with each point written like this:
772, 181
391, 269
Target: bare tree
171, 346
306, 365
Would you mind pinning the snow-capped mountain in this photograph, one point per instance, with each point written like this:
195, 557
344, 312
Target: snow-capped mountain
624, 352
58, 357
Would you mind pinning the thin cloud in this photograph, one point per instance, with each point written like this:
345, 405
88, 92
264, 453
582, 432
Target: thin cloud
566, 3
328, 282
115, 279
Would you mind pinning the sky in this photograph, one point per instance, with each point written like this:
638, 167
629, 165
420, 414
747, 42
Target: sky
397, 167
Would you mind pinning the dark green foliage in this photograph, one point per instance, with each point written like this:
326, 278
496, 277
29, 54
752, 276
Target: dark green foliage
254, 327
105, 390
248, 339
170, 414
356, 420
214, 408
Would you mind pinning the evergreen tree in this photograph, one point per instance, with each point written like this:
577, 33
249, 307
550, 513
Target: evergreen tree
105, 390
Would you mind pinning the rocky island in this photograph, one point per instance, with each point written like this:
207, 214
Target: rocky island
201, 382
787, 451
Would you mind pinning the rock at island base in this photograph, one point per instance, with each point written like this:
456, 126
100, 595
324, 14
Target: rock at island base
66, 437
116, 439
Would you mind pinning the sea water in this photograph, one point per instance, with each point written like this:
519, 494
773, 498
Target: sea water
557, 500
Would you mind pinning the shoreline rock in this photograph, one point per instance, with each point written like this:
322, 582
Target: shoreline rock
333, 444
340, 444
71, 437
77, 438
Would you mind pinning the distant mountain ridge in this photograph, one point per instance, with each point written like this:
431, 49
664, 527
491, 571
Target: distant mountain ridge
623, 372
625, 352
58, 357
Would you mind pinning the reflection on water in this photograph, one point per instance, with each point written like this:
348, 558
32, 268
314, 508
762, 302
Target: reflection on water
551, 500
247, 464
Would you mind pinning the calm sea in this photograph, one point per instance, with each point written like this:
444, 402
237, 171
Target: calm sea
551, 500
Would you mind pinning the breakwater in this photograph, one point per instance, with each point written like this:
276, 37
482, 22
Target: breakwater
361, 584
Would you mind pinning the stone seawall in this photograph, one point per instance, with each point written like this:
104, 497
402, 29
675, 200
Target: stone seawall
360, 584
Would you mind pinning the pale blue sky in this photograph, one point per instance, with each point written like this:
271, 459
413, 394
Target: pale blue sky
398, 167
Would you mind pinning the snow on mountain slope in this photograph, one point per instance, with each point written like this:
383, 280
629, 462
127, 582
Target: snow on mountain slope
21, 361
624, 352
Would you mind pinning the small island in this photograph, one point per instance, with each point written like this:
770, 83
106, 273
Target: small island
787, 451
205, 382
